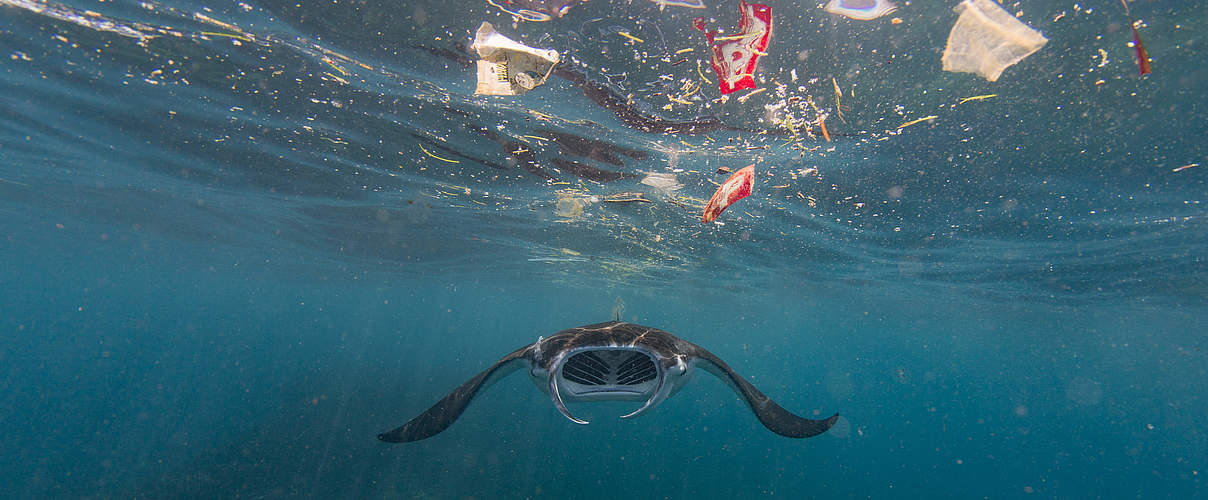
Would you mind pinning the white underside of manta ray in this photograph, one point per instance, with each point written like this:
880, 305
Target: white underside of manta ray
608, 361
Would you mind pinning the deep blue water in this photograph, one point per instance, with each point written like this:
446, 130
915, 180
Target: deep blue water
228, 264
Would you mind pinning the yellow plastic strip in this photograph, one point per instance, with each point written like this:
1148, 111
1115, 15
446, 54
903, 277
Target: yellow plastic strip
920, 120
631, 37
333, 64
751, 93
237, 37
204, 18
738, 37
421, 148
977, 98
702, 75
527, 15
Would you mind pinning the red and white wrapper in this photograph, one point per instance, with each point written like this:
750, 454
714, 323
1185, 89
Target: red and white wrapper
737, 187
735, 57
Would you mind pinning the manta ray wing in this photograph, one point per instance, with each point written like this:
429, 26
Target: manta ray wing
770, 414
442, 414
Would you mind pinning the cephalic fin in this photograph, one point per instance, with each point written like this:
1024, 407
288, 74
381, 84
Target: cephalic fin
556, 394
656, 397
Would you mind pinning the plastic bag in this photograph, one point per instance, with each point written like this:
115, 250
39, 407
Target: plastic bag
987, 39
508, 67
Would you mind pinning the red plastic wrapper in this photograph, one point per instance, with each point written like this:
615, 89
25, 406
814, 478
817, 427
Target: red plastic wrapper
737, 187
735, 56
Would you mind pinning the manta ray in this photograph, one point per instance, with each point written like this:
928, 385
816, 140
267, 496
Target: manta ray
608, 362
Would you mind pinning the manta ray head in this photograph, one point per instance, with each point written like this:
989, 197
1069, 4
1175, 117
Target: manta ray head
611, 373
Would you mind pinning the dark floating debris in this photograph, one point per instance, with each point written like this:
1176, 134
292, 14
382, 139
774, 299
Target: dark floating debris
1142, 54
591, 148
626, 198
606, 98
589, 172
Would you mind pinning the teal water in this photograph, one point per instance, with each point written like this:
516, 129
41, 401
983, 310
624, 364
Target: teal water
229, 264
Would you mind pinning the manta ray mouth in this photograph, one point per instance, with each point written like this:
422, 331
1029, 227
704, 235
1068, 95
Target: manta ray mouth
610, 371
607, 373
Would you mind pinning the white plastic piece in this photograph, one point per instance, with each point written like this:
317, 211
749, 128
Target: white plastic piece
508, 67
863, 10
987, 39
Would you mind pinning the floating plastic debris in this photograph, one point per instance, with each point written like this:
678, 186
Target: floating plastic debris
977, 98
508, 67
662, 181
735, 57
626, 197
986, 39
1142, 55
920, 120
570, 204
691, 4
863, 10
535, 10
737, 187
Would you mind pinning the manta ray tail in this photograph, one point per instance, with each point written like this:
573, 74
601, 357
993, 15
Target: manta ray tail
441, 415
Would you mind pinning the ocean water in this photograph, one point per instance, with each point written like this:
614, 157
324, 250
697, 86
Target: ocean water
241, 239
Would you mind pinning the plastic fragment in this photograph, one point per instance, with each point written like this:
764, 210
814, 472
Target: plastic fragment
977, 98
535, 10
1143, 66
736, 57
987, 39
691, 4
508, 67
421, 148
631, 37
662, 181
737, 187
863, 10
625, 198
920, 120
